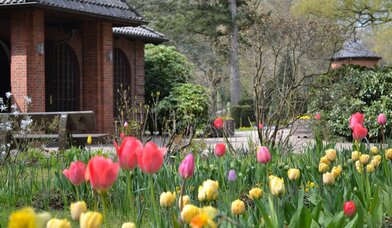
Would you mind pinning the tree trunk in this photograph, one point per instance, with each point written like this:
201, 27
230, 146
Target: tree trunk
235, 86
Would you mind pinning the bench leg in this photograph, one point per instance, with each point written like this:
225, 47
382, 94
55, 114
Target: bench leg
63, 132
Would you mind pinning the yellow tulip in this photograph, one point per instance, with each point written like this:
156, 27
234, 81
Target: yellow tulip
91, 219
374, 150
208, 191
293, 174
328, 178
336, 171
330, 154
89, 139
77, 209
358, 166
388, 154
58, 223
167, 199
376, 161
185, 200
128, 225
211, 211
276, 186
26, 217
370, 168
355, 155
364, 159
237, 207
323, 167
325, 160
202, 220
255, 193
188, 212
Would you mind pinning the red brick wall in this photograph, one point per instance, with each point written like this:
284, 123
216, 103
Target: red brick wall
27, 65
98, 73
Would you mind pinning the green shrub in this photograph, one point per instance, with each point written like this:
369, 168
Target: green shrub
355, 89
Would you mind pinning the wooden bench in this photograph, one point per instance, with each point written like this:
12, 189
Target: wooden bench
67, 128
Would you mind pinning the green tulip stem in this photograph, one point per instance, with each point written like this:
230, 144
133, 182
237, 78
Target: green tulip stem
77, 193
103, 194
181, 199
231, 148
130, 194
382, 137
153, 200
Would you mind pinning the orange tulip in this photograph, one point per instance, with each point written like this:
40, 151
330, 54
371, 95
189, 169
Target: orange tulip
150, 159
127, 152
102, 173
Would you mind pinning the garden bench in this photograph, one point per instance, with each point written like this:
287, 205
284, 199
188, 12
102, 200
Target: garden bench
67, 128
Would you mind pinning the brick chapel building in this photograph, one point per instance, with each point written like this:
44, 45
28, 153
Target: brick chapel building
70, 55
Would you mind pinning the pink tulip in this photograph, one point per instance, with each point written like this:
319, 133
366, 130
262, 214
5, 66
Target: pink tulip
357, 118
382, 119
76, 172
220, 149
359, 132
127, 152
263, 155
102, 173
349, 208
187, 166
260, 126
150, 159
125, 124
317, 116
218, 123
122, 135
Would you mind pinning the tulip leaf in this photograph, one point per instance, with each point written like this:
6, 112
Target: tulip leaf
337, 221
316, 211
264, 213
352, 223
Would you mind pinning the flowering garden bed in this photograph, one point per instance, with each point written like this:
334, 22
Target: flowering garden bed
142, 186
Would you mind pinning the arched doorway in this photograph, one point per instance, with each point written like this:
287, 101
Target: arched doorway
62, 78
121, 79
5, 70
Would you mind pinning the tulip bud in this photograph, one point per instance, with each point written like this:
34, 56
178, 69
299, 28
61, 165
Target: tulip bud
382, 119
185, 201
370, 168
77, 209
232, 176
188, 212
355, 155
128, 225
336, 171
125, 124
293, 174
276, 186
330, 154
349, 208
237, 207
323, 167
374, 150
328, 178
58, 223
263, 155
364, 159
167, 199
255, 193
358, 166
317, 116
187, 167
376, 161
388, 154
91, 219
89, 139
220, 149
325, 160
218, 123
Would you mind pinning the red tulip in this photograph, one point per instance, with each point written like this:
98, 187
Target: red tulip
349, 208
317, 116
127, 153
76, 172
150, 159
218, 123
187, 166
357, 118
102, 173
382, 119
260, 126
220, 149
122, 135
359, 132
263, 155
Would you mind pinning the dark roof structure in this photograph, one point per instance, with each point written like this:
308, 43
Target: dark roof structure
354, 50
142, 32
116, 9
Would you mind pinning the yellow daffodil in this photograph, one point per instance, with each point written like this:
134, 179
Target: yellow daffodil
255, 193
167, 199
330, 154
328, 178
237, 207
77, 209
293, 174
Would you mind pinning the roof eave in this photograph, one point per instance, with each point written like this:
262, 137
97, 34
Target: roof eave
151, 40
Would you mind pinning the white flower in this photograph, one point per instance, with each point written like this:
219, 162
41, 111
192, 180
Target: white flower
25, 123
8, 95
3, 108
27, 100
14, 106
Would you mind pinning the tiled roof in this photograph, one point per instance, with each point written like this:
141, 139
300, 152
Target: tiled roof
110, 8
142, 32
354, 50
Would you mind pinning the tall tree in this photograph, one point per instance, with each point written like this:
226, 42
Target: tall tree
235, 83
